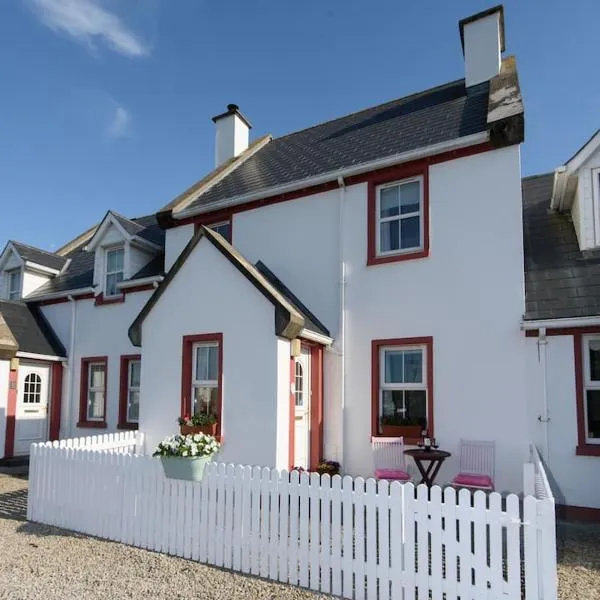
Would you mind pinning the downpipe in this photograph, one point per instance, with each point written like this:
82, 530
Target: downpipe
544, 418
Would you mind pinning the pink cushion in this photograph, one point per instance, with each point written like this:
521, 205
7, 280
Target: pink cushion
392, 474
470, 480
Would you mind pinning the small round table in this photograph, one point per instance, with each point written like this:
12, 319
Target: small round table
435, 459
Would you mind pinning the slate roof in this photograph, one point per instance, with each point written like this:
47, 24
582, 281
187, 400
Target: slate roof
30, 329
560, 280
436, 115
80, 272
40, 257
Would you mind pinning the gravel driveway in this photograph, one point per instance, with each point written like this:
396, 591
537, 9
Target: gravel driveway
49, 563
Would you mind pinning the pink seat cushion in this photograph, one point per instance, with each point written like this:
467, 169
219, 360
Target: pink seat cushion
470, 480
392, 474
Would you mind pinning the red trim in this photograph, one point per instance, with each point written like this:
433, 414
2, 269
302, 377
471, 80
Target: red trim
583, 448
292, 432
213, 219
100, 300
564, 331
399, 173
581, 514
83, 391
55, 401
426, 341
11, 411
186, 373
123, 391
223, 214
63, 299
316, 405
138, 288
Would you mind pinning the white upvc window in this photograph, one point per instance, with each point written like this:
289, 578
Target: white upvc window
399, 217
13, 284
403, 384
133, 391
205, 378
591, 392
114, 265
96, 391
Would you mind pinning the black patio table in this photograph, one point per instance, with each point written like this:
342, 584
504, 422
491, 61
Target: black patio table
434, 457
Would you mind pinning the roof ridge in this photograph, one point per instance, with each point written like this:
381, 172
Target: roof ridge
35, 248
411, 96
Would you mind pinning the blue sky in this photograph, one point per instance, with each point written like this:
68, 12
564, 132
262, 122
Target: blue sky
107, 103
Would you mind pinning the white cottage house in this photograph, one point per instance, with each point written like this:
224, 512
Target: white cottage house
313, 284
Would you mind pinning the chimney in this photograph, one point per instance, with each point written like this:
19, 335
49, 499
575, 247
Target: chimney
482, 39
233, 130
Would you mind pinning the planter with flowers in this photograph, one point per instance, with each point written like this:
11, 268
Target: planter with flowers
398, 426
186, 456
199, 423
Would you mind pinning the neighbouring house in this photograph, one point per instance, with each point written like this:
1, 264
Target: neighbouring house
316, 284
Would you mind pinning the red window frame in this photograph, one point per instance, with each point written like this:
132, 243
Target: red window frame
583, 448
83, 391
187, 354
389, 176
376, 345
124, 391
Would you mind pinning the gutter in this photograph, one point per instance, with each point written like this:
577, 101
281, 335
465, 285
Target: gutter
568, 322
46, 357
456, 144
313, 336
64, 294
41, 268
142, 281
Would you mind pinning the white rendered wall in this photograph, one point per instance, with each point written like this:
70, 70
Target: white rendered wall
574, 478
176, 240
283, 403
588, 206
32, 281
209, 295
137, 259
482, 49
4, 372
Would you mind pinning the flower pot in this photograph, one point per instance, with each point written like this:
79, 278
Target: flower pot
405, 431
182, 467
208, 429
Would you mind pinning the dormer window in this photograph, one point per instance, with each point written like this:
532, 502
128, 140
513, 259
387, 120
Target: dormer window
13, 284
115, 261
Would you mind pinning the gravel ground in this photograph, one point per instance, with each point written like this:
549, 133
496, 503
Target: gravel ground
50, 563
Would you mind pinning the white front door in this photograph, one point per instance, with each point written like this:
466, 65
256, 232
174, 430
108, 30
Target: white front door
31, 419
302, 399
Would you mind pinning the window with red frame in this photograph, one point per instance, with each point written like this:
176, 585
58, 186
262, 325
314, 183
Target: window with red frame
129, 392
92, 401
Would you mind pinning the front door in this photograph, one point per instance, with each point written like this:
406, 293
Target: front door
31, 419
302, 393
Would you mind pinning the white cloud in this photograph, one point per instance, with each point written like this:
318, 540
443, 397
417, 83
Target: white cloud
86, 20
118, 126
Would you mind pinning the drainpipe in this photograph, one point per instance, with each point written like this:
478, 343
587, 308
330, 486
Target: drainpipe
342, 323
544, 418
71, 368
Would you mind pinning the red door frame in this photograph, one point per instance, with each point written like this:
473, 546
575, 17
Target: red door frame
316, 405
54, 405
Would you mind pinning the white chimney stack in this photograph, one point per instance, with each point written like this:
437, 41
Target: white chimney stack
232, 135
482, 38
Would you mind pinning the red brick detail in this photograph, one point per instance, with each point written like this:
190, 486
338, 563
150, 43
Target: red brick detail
580, 514
55, 401
101, 300
11, 413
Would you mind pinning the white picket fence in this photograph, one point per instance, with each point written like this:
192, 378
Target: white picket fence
348, 537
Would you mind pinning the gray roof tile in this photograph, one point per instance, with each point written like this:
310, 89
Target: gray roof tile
40, 257
437, 115
560, 280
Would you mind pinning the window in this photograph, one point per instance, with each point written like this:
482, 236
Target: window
129, 391
591, 395
32, 389
299, 385
13, 284
92, 402
115, 259
223, 229
402, 374
399, 217
398, 214
202, 376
